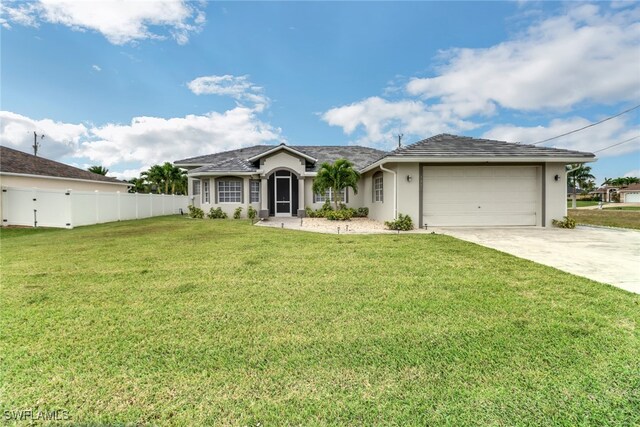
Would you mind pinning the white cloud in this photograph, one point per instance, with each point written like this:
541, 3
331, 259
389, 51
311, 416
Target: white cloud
154, 140
143, 142
592, 139
118, 21
60, 139
382, 120
589, 55
237, 87
632, 174
585, 55
96, 67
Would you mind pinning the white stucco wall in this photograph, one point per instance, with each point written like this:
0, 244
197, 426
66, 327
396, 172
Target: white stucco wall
282, 159
409, 192
555, 193
379, 211
228, 208
408, 203
355, 200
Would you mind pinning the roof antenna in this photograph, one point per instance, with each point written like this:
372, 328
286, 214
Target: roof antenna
36, 144
400, 135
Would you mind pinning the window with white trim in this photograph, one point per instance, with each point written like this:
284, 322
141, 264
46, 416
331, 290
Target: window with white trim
378, 187
254, 196
328, 195
229, 191
205, 191
195, 187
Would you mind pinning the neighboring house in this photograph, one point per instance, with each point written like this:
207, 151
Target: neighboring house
445, 180
605, 193
19, 169
630, 193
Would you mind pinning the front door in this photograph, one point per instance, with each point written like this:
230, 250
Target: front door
283, 195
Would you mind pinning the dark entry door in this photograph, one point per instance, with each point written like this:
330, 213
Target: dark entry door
283, 195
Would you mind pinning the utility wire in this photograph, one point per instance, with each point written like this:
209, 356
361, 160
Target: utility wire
586, 127
618, 143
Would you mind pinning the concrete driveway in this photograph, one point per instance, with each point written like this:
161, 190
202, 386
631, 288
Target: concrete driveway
605, 255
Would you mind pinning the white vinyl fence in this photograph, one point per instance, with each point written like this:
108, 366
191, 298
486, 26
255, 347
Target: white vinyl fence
68, 209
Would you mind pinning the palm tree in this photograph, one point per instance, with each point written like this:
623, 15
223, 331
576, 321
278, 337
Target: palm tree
179, 181
166, 176
580, 175
336, 177
173, 177
155, 176
138, 185
100, 170
620, 182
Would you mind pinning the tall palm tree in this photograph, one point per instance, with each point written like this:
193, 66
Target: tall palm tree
155, 176
336, 177
173, 177
100, 170
619, 182
138, 185
579, 176
179, 181
167, 177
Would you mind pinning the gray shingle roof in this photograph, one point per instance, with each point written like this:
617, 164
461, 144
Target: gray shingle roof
236, 160
15, 161
445, 145
359, 156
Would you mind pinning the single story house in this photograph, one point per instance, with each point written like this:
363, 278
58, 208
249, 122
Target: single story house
445, 180
630, 193
24, 170
606, 193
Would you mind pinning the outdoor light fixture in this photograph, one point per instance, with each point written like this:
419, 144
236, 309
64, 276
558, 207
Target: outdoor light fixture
557, 177
409, 178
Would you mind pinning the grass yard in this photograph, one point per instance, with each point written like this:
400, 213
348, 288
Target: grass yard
611, 217
172, 321
582, 203
623, 208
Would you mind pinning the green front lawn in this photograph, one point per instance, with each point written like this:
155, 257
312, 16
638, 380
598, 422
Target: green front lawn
171, 321
612, 217
582, 203
623, 208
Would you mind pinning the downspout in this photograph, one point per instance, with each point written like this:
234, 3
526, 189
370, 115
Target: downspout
395, 190
573, 198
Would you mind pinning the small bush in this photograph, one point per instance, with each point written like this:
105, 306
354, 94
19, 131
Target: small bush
237, 213
252, 213
217, 213
566, 222
195, 212
361, 213
341, 215
403, 223
310, 213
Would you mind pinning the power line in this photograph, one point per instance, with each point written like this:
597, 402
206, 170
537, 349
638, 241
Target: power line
618, 143
586, 127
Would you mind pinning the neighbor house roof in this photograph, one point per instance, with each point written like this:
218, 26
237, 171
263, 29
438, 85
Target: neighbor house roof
630, 188
239, 160
17, 162
443, 147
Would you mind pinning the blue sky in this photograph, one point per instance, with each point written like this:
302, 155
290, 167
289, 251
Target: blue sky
160, 81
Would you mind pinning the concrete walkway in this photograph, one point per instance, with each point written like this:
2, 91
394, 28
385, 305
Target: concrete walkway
605, 255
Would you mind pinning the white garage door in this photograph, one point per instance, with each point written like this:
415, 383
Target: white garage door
632, 198
481, 195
